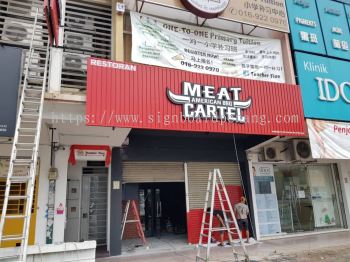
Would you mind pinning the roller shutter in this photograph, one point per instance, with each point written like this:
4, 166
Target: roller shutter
198, 179
149, 172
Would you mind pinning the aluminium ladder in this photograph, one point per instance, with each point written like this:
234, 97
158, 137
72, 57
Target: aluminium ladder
25, 146
217, 187
136, 220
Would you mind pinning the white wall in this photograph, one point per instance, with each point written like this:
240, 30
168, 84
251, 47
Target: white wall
61, 162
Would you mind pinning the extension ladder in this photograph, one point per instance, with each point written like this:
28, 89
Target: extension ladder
136, 220
25, 146
216, 186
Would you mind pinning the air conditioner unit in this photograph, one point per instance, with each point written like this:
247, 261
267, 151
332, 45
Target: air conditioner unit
18, 30
74, 62
19, 33
275, 152
301, 150
79, 22
79, 41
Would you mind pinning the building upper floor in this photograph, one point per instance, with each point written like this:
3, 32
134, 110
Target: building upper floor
98, 28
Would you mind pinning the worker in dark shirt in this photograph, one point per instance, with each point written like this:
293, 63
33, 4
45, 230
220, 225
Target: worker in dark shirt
220, 217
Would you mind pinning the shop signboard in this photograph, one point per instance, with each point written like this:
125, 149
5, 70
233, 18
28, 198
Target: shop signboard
335, 28
347, 13
325, 86
206, 9
10, 73
205, 50
142, 96
266, 199
305, 26
329, 139
265, 14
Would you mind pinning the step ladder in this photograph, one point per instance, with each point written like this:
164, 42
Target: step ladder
25, 146
217, 187
135, 221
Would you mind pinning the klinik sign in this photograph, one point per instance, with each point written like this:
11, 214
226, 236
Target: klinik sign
203, 102
331, 91
325, 87
141, 96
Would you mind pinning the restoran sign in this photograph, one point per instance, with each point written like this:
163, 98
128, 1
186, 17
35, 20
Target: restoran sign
142, 96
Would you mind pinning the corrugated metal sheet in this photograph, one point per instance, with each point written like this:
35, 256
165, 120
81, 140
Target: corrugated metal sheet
148, 172
198, 173
120, 96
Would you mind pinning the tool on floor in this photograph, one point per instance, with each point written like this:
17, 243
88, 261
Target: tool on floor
135, 221
217, 187
25, 147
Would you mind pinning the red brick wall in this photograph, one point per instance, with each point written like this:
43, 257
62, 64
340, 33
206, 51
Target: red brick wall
194, 216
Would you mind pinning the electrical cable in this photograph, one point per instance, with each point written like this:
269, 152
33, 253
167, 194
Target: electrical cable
242, 182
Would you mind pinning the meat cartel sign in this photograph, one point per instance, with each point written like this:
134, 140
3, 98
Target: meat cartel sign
142, 96
202, 102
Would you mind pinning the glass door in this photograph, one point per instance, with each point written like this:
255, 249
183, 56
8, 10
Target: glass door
324, 198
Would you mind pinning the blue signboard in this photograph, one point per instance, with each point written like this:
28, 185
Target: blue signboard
347, 13
305, 26
335, 28
10, 75
325, 86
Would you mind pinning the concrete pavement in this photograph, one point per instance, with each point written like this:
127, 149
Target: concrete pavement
266, 250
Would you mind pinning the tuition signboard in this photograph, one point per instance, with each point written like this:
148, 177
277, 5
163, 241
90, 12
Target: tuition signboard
165, 43
325, 86
141, 96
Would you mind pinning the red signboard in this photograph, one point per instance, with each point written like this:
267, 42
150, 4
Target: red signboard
140, 96
52, 16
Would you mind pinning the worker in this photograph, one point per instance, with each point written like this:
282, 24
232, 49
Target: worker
241, 210
219, 216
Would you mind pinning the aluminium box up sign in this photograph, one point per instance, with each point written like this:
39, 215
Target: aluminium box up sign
325, 86
335, 28
329, 139
305, 26
10, 73
204, 50
142, 96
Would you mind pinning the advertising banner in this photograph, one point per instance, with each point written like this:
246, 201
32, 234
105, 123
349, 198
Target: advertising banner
325, 86
10, 73
335, 28
328, 139
204, 50
267, 14
142, 96
305, 26
266, 199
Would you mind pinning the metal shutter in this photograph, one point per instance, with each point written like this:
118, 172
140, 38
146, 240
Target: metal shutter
148, 172
198, 179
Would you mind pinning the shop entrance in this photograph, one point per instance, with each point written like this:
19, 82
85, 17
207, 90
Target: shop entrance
309, 197
163, 208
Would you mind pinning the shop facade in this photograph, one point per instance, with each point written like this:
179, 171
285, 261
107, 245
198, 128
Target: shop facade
306, 180
220, 89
